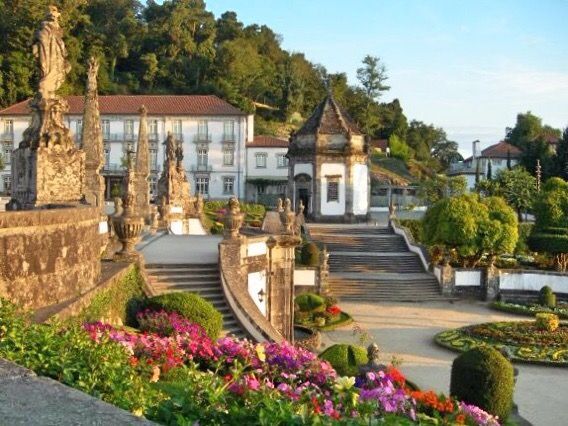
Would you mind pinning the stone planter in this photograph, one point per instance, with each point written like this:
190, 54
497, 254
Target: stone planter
128, 230
307, 338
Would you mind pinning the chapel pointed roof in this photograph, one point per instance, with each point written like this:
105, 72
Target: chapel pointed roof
329, 118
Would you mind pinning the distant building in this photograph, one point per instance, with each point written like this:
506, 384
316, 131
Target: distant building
267, 169
380, 145
328, 166
498, 155
213, 132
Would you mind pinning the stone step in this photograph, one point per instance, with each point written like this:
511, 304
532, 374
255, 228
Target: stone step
196, 281
349, 230
181, 266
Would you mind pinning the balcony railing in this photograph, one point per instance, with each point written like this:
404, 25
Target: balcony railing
7, 137
119, 137
229, 137
114, 167
201, 168
153, 137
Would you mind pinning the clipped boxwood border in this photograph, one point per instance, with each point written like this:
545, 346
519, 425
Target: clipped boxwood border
525, 310
457, 341
344, 319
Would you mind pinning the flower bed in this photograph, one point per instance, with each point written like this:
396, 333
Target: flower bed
174, 373
321, 313
530, 310
524, 340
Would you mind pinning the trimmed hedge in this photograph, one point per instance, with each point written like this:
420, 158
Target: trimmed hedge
484, 377
193, 307
310, 254
346, 359
548, 242
414, 226
546, 297
310, 302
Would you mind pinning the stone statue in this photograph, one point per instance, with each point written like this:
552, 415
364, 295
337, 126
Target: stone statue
51, 54
373, 365
288, 217
92, 74
170, 148
287, 205
199, 202
279, 207
118, 210
301, 208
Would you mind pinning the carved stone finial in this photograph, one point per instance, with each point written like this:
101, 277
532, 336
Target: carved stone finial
279, 205
233, 219
92, 74
301, 208
288, 217
143, 110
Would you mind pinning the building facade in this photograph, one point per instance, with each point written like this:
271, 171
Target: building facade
328, 169
500, 155
267, 170
213, 132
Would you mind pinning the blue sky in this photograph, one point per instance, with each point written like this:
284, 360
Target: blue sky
468, 66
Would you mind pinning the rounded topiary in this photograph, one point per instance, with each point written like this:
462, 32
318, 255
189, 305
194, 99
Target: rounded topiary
346, 359
193, 307
547, 297
310, 302
484, 377
310, 254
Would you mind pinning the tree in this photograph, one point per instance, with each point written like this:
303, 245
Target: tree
468, 228
518, 187
561, 157
446, 152
509, 159
489, 169
423, 137
398, 149
440, 186
372, 76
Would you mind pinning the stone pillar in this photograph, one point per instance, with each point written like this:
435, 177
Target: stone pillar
490, 284
349, 216
92, 141
447, 280
142, 203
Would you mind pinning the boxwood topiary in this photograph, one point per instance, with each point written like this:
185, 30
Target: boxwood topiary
484, 377
193, 307
310, 254
346, 359
310, 302
547, 297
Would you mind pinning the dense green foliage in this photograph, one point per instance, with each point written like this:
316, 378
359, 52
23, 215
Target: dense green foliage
193, 307
440, 186
546, 321
530, 310
310, 255
482, 376
525, 230
346, 359
70, 356
414, 226
467, 227
310, 302
120, 301
546, 297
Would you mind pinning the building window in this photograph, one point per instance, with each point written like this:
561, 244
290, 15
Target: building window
229, 130
260, 189
282, 188
202, 185
153, 130
129, 129
177, 129
202, 130
153, 159
153, 186
7, 153
9, 127
107, 156
281, 160
228, 155
228, 185
106, 129
7, 184
332, 189
261, 160
202, 157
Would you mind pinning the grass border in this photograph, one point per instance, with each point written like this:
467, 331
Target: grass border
477, 342
523, 310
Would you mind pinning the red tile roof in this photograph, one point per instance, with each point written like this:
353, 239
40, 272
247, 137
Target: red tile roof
156, 105
501, 150
268, 142
381, 144
329, 118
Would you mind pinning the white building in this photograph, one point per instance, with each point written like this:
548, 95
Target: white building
214, 135
500, 155
328, 166
267, 170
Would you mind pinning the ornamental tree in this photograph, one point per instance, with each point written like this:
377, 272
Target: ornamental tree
467, 228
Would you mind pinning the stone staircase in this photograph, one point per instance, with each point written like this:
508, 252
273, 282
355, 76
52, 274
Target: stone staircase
373, 264
200, 278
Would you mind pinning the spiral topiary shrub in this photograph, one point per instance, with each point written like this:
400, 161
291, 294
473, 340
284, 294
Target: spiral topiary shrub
193, 307
547, 297
484, 377
310, 254
310, 302
346, 359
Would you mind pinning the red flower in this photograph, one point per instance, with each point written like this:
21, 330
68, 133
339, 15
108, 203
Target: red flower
334, 310
396, 375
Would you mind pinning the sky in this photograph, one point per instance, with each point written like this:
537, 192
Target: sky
466, 66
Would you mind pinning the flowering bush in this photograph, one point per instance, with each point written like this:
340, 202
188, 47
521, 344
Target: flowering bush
333, 310
547, 322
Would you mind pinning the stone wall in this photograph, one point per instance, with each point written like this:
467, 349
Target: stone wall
49, 256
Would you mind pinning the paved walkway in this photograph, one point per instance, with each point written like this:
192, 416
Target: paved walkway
166, 249
406, 330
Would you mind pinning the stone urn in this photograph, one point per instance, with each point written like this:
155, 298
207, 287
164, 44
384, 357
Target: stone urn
233, 220
154, 219
288, 217
127, 229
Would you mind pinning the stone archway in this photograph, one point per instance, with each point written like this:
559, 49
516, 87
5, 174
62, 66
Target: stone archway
303, 191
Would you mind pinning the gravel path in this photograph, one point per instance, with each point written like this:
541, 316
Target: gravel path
406, 330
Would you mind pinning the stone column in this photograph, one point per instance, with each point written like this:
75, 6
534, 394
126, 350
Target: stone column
349, 216
447, 281
491, 283
142, 204
92, 141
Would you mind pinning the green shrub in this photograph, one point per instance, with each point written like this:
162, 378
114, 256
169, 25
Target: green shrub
548, 242
546, 297
484, 377
310, 302
346, 359
70, 356
546, 321
310, 254
525, 230
193, 307
414, 226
